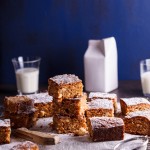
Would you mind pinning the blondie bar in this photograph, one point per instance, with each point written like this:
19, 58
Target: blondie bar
100, 95
100, 107
5, 131
25, 119
71, 107
138, 122
27, 145
105, 128
43, 104
64, 86
133, 104
64, 124
17, 104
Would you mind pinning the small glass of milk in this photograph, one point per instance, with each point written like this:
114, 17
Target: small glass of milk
145, 76
27, 74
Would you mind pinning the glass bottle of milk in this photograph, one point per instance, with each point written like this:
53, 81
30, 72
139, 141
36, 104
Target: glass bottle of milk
100, 65
27, 74
145, 76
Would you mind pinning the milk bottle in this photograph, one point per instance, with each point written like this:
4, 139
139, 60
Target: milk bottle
100, 65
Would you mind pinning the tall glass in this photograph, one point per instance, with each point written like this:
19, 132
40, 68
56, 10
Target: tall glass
145, 76
27, 74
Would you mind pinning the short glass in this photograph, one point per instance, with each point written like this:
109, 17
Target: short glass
137, 143
145, 76
27, 74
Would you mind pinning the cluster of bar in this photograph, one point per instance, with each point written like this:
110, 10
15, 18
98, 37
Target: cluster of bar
69, 104
23, 111
136, 112
102, 125
20, 110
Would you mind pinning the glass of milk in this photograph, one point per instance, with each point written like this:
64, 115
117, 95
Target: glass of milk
27, 74
145, 76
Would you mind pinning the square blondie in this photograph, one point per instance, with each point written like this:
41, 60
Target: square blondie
71, 107
101, 95
25, 119
64, 124
43, 103
65, 86
138, 122
5, 131
100, 107
17, 104
105, 128
133, 104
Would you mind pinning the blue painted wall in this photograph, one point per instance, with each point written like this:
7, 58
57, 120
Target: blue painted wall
59, 30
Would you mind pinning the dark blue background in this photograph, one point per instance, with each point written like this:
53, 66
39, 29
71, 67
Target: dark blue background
59, 30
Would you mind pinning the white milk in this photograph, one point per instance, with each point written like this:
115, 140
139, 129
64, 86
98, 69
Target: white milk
100, 65
27, 80
145, 78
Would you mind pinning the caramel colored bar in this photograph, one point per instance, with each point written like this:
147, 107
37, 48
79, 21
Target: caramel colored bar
71, 107
100, 107
43, 104
17, 104
138, 122
133, 104
100, 95
5, 131
105, 128
70, 125
65, 86
27, 119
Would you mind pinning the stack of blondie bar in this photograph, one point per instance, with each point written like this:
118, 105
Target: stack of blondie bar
20, 110
69, 104
136, 112
102, 125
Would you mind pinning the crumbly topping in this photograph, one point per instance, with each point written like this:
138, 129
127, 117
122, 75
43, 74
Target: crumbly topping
65, 79
145, 113
105, 122
5, 123
100, 103
27, 145
102, 95
135, 101
41, 97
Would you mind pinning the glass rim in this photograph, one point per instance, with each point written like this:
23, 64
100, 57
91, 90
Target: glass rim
34, 59
145, 142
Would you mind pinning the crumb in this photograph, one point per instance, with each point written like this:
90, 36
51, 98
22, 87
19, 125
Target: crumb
81, 132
